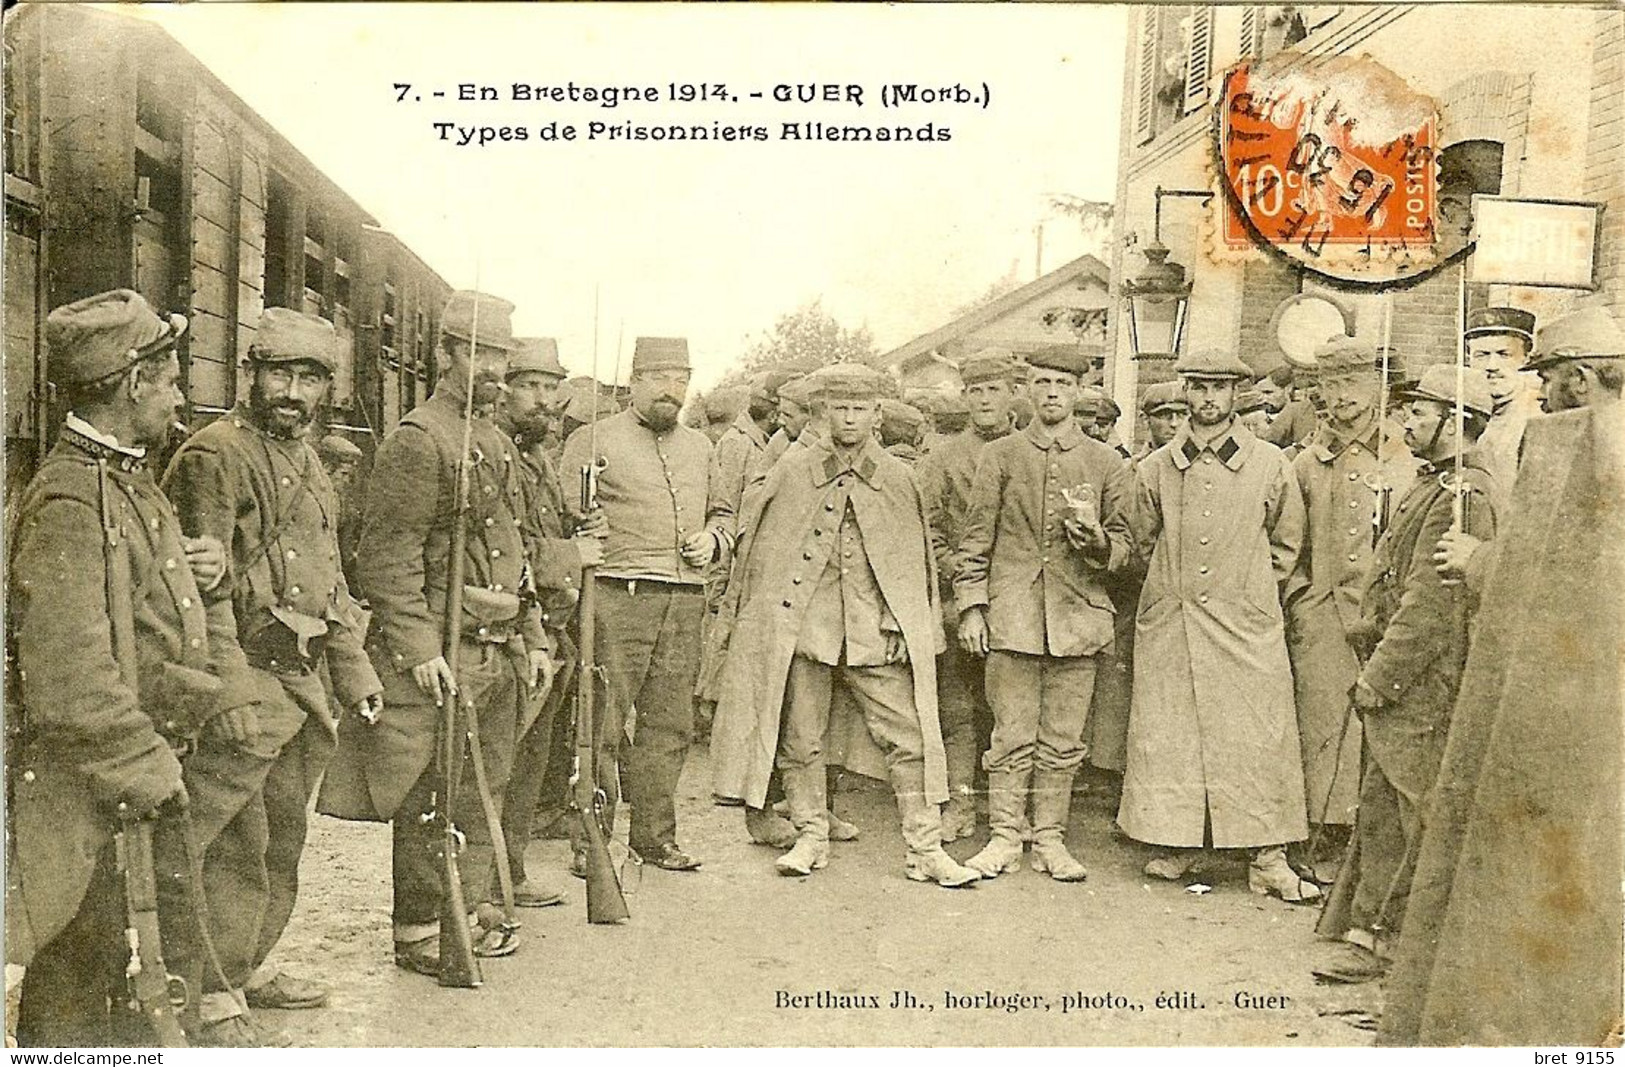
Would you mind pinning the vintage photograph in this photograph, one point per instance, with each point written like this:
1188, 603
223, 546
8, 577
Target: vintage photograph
798, 525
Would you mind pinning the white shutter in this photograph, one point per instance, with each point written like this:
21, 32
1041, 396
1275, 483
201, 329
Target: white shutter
1199, 58
1145, 85
1249, 33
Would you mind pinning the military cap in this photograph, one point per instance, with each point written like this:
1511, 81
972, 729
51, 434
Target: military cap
1514, 321
1163, 396
723, 405
102, 335
988, 365
1249, 400
1438, 383
467, 311
1211, 363
536, 355
925, 401
1093, 400
288, 336
768, 383
1589, 334
797, 390
336, 449
1068, 358
900, 421
846, 381
659, 353
1345, 355
588, 405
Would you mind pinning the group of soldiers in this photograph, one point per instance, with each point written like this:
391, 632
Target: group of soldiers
1283, 577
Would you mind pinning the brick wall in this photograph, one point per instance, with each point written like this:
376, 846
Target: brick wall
1605, 153
1264, 284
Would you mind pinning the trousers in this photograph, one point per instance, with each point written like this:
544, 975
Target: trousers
494, 682
884, 696
533, 754
1040, 710
648, 644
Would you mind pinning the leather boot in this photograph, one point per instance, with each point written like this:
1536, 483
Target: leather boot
1270, 874
809, 811
766, 828
1007, 813
1052, 804
839, 828
922, 833
959, 814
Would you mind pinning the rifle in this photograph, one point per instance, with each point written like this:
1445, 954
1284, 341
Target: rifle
155, 994
458, 967
606, 902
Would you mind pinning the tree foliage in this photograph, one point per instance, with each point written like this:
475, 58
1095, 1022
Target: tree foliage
812, 336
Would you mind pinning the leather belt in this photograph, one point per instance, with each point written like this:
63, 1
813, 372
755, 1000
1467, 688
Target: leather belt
651, 586
493, 633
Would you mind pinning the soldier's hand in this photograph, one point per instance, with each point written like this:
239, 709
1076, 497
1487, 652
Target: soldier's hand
370, 708
542, 669
151, 792
435, 679
591, 550
1090, 537
896, 647
207, 558
973, 631
593, 524
1365, 698
699, 549
240, 726
1453, 553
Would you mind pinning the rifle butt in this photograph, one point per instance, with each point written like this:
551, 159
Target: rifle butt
458, 967
606, 904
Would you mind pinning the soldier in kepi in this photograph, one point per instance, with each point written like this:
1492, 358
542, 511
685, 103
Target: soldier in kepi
253, 480
1499, 341
661, 537
1046, 524
1412, 637
120, 664
384, 768
837, 589
945, 477
527, 409
1346, 486
1213, 737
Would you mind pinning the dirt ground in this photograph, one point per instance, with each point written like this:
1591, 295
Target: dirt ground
712, 957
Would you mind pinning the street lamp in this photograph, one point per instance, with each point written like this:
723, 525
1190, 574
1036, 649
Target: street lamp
1159, 296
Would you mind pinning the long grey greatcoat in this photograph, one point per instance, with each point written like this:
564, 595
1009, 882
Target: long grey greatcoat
1323, 604
786, 535
1213, 730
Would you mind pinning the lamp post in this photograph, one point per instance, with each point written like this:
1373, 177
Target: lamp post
1159, 296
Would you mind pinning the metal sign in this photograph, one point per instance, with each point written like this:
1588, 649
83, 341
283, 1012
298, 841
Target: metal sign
1535, 242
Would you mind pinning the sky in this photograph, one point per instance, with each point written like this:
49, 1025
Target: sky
712, 241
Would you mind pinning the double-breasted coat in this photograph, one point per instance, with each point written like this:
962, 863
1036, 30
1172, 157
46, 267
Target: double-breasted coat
787, 534
405, 548
1338, 481
92, 726
1213, 733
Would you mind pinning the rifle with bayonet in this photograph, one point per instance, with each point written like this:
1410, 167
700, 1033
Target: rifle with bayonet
154, 993
458, 967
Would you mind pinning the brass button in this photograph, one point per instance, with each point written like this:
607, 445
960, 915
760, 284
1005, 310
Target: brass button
1353, 477
796, 580
292, 554
786, 603
806, 556
196, 642
496, 553
1202, 599
186, 601
483, 631
294, 590
1201, 570
1353, 558
493, 522
1207, 514
1202, 540
286, 480
28, 776
829, 507
169, 564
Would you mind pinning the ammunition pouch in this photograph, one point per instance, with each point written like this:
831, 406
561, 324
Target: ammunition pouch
290, 641
182, 700
489, 615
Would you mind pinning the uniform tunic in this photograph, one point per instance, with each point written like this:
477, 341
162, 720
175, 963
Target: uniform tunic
731, 462
1213, 732
1502, 439
1323, 605
94, 728
791, 533
1413, 634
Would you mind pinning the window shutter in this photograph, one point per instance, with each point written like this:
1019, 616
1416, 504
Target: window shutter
1250, 37
1199, 60
1146, 76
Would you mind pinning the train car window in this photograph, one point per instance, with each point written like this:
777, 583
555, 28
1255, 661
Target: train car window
278, 220
21, 98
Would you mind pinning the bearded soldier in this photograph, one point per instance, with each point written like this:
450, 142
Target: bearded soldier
253, 480
946, 475
1213, 738
384, 768
1344, 482
527, 410
120, 662
1046, 523
837, 590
